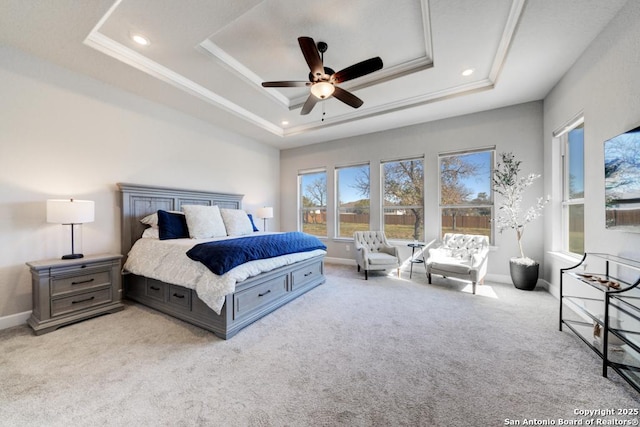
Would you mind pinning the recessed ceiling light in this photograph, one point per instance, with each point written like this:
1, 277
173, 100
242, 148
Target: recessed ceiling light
140, 39
468, 72
284, 123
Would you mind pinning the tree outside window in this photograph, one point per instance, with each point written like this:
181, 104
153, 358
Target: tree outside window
353, 199
403, 199
466, 202
313, 200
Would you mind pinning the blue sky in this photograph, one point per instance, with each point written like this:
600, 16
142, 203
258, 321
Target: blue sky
576, 160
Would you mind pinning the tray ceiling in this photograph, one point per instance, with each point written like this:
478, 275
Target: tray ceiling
209, 58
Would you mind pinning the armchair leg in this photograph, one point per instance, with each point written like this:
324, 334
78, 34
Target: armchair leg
358, 268
398, 271
429, 277
366, 275
473, 287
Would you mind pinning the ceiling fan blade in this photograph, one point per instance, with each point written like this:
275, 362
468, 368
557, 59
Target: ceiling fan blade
358, 70
309, 104
286, 84
347, 97
311, 55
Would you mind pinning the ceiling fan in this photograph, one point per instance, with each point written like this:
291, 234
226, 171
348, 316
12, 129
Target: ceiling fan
323, 81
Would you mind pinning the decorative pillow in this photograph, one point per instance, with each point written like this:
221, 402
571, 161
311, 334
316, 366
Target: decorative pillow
172, 225
151, 233
204, 221
236, 222
252, 223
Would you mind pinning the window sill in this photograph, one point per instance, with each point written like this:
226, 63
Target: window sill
565, 257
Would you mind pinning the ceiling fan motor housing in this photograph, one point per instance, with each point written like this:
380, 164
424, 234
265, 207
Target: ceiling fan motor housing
328, 72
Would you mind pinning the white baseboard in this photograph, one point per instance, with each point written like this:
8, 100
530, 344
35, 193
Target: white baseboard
342, 261
14, 320
498, 278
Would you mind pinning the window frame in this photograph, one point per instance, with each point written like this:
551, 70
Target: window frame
490, 205
567, 202
302, 209
401, 207
338, 208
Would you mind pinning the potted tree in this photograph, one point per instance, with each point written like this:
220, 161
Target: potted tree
511, 215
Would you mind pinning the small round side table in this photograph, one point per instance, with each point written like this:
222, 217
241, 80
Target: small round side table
413, 259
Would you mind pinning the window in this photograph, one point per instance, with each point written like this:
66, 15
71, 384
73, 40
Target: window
466, 198
573, 188
313, 202
403, 199
352, 183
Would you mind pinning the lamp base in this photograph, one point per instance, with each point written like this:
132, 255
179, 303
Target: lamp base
72, 256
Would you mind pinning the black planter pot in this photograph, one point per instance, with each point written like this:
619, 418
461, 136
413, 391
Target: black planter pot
524, 276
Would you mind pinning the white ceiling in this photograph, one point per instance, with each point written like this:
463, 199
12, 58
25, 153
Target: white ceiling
207, 58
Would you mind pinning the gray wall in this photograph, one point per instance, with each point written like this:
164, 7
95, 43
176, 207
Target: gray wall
517, 129
605, 84
66, 135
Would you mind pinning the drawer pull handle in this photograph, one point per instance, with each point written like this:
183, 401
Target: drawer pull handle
82, 300
178, 296
261, 295
82, 281
154, 288
308, 274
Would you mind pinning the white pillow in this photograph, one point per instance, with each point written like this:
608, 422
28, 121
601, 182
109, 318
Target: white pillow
204, 221
236, 222
152, 220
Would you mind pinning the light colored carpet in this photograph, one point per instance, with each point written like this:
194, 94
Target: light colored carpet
382, 352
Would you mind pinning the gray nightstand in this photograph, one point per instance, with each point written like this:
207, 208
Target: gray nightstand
67, 291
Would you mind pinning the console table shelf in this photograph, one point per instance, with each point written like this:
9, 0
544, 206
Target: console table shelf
600, 303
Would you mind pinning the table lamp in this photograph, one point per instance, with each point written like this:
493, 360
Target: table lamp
264, 213
70, 212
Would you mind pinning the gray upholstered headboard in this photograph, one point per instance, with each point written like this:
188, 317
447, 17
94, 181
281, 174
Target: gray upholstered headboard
138, 201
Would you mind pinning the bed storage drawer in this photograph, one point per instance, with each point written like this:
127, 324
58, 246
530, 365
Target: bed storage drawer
80, 301
259, 296
180, 296
154, 289
305, 275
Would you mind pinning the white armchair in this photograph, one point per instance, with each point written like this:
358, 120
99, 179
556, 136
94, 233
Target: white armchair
463, 256
373, 252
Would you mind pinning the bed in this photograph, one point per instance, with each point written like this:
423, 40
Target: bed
249, 300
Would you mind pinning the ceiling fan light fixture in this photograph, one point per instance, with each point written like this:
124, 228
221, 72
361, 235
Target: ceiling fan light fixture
322, 90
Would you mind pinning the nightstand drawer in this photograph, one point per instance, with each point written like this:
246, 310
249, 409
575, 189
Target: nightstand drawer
80, 301
259, 296
62, 285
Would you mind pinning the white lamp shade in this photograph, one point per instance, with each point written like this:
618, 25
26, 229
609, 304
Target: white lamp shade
70, 211
265, 213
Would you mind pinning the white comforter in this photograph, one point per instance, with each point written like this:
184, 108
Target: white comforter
167, 261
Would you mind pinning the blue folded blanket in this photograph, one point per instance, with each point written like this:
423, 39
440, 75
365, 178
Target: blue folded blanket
221, 256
